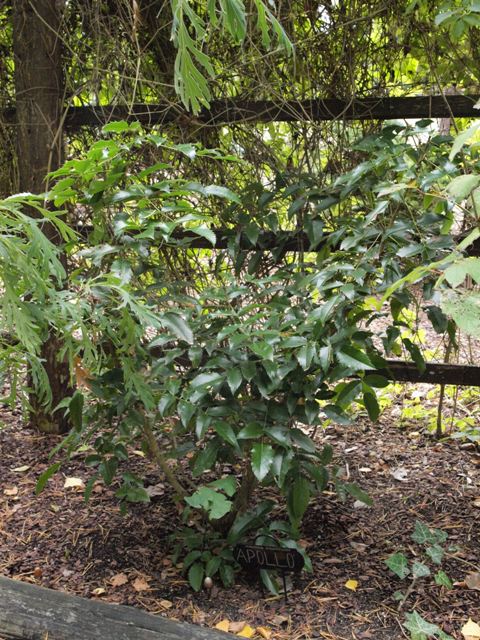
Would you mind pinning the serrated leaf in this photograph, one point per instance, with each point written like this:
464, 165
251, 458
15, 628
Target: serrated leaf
263, 350
251, 430
222, 192
178, 326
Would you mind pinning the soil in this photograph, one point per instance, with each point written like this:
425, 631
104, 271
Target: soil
91, 550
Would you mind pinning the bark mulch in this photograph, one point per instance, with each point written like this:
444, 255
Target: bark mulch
57, 541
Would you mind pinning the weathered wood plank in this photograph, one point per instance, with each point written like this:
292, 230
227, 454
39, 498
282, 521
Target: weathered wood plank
232, 110
435, 373
28, 612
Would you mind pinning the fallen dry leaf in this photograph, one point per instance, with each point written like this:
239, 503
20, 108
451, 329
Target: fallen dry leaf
235, 627
400, 474
155, 490
166, 604
74, 483
25, 467
11, 492
471, 630
358, 546
351, 584
119, 579
223, 625
265, 632
246, 632
278, 619
140, 584
139, 453
99, 591
472, 580
476, 502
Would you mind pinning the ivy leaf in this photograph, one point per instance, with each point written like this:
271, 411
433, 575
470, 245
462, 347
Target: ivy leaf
422, 534
435, 553
420, 570
398, 563
443, 580
262, 459
421, 628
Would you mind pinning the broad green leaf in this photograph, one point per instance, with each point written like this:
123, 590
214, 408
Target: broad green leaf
251, 430
76, 410
177, 325
462, 186
206, 458
372, 406
398, 563
263, 350
262, 458
227, 484
226, 432
206, 380
222, 192
234, 379
195, 576
355, 491
354, 359
300, 439
250, 520
298, 498
206, 233
45, 476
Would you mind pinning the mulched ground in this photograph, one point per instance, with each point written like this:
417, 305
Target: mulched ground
57, 541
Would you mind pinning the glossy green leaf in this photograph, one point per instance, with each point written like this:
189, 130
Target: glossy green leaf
262, 458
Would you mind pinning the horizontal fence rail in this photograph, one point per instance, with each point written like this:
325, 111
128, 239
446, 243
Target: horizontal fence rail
230, 111
34, 613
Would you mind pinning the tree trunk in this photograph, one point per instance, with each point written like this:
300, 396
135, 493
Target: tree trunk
39, 92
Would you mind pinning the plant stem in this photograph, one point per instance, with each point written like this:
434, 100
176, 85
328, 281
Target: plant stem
161, 460
407, 594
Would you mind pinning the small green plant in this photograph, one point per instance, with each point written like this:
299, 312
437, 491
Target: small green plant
431, 551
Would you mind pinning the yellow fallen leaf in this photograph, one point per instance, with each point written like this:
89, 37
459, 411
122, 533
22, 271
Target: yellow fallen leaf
140, 584
235, 627
99, 591
472, 580
264, 632
351, 584
73, 483
471, 630
139, 453
25, 467
223, 625
246, 632
118, 580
